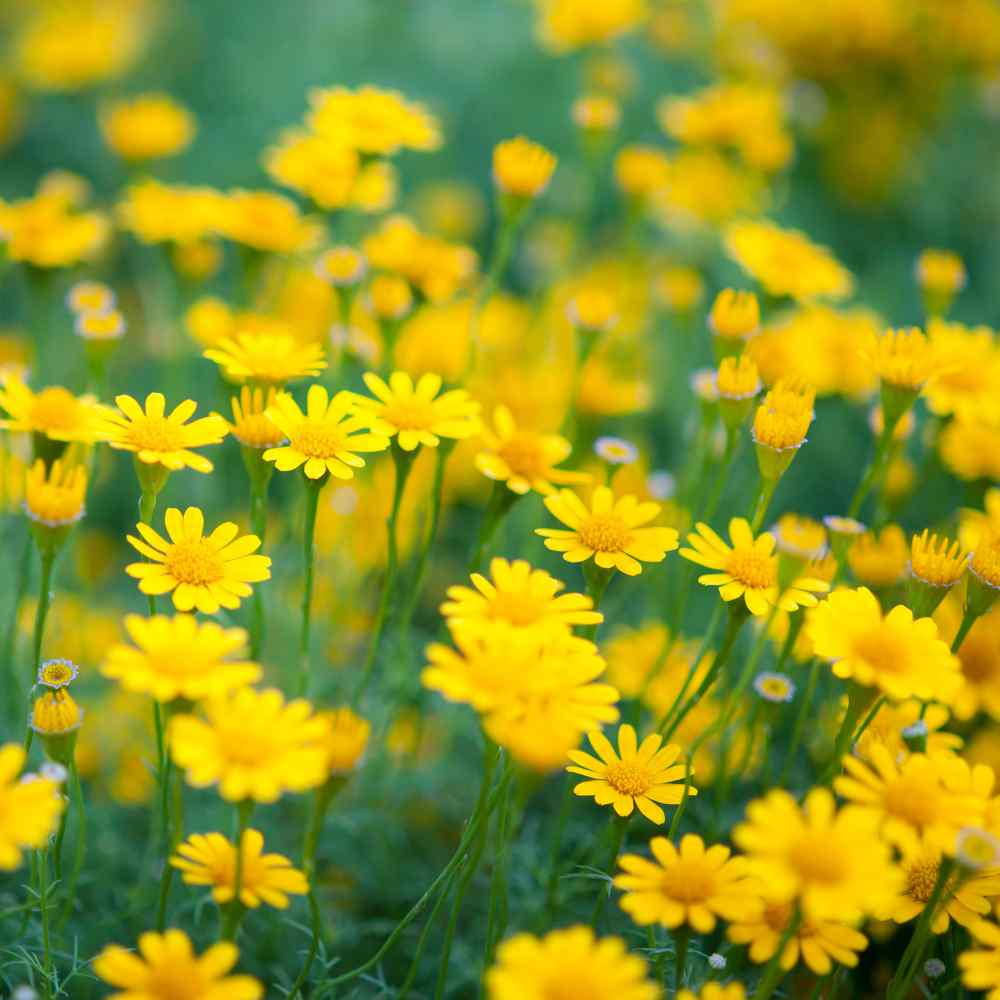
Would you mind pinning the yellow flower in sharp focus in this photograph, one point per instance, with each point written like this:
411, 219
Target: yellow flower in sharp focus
55, 713
748, 569
56, 674
415, 413
637, 776
937, 561
610, 531
832, 862
266, 358
53, 412
818, 943
372, 121
210, 859
525, 460
29, 809
915, 796
688, 885
520, 595
55, 497
160, 438
902, 656
180, 657
252, 744
522, 168
780, 425
147, 127
570, 962
326, 438
786, 262
166, 968
251, 425
201, 571
345, 740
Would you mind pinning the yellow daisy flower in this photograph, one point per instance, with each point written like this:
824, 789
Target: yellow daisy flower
520, 595
146, 127
268, 358
54, 496
326, 439
201, 571
524, 460
29, 810
817, 943
610, 531
748, 569
522, 168
414, 413
715, 991
345, 740
902, 656
251, 425
166, 968
570, 962
210, 859
637, 776
53, 412
833, 862
158, 438
914, 796
981, 965
252, 745
689, 885
179, 657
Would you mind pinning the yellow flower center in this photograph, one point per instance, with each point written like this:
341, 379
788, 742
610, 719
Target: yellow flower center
410, 414
604, 533
55, 409
524, 456
689, 881
755, 570
318, 440
56, 674
921, 876
979, 663
910, 799
883, 650
777, 915
816, 859
628, 778
155, 434
194, 562
515, 607
174, 982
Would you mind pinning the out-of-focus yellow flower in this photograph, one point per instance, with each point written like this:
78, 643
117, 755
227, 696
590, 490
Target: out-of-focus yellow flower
252, 744
323, 171
453, 209
903, 359
100, 327
735, 315
705, 188
971, 449
53, 412
210, 859
967, 381
54, 497
198, 260
566, 25
372, 121
890, 723
390, 297
179, 657
522, 168
91, 297
47, 232
593, 309
326, 439
609, 531
30, 809
786, 262
641, 172
832, 862
345, 740
168, 959
251, 425
570, 959
978, 659
266, 221
680, 289
596, 114
265, 358
147, 127
902, 656
941, 275
200, 571
523, 459
158, 438
342, 266
209, 320
882, 560
170, 213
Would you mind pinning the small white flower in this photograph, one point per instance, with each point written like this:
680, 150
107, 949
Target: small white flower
54, 772
616, 451
976, 849
774, 687
717, 961
661, 484
24, 993
916, 731
933, 968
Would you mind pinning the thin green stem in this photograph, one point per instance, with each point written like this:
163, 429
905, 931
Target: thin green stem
43, 910
496, 920
42, 611
313, 487
501, 501
800, 721
619, 829
552, 882
404, 990
682, 937
80, 849
236, 909
258, 524
764, 495
10, 638
968, 620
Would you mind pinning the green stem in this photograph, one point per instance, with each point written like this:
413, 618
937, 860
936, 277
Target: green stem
501, 501
404, 463
872, 472
552, 882
10, 639
855, 706
42, 611
968, 620
236, 909
80, 849
496, 920
800, 721
258, 523
147, 507
732, 446
404, 990
163, 789
597, 583
764, 494
313, 487
682, 937
43, 910
620, 826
